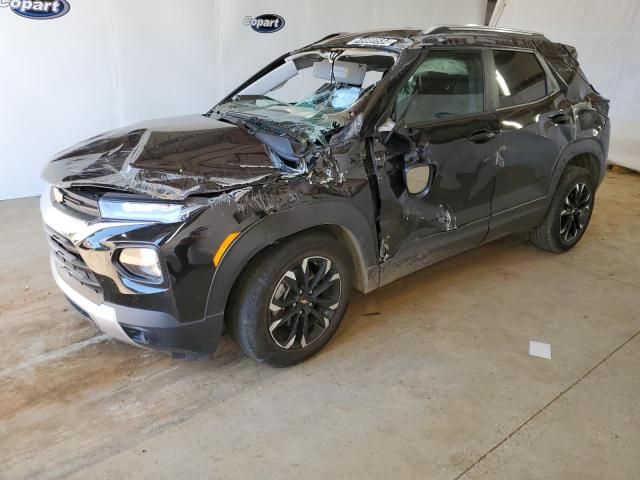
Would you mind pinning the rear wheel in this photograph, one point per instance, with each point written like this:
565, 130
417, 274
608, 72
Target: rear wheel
291, 299
569, 213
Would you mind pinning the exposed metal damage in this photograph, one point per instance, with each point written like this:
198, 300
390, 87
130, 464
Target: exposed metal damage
500, 156
447, 218
309, 138
169, 159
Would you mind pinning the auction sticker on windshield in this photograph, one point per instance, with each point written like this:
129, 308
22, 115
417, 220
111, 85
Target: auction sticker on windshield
373, 41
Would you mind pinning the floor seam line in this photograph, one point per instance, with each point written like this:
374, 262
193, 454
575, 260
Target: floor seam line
54, 355
548, 404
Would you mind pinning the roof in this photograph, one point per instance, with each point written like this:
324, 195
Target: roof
448, 34
477, 30
402, 38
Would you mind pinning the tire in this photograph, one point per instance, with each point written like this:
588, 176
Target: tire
569, 213
265, 318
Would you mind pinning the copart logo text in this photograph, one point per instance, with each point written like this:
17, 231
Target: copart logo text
265, 23
38, 9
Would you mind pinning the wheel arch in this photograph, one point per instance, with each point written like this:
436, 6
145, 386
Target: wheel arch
586, 153
341, 218
589, 162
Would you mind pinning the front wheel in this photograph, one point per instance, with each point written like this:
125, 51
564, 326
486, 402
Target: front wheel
291, 299
569, 213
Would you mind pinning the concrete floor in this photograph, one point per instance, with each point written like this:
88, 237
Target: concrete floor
429, 377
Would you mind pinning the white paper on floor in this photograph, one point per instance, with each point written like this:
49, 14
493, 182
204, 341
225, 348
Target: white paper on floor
539, 349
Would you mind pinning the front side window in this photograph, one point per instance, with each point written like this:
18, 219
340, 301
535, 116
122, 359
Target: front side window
519, 76
445, 84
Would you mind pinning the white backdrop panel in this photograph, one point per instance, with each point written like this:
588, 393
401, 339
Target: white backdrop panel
56, 88
112, 62
607, 36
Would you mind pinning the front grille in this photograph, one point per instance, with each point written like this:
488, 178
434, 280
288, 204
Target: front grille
68, 260
80, 200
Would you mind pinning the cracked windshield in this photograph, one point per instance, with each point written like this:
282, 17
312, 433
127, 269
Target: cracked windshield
316, 88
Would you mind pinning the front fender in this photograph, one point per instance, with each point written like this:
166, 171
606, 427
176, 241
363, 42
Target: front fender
339, 212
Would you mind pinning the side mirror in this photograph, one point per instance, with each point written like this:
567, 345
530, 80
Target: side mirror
417, 178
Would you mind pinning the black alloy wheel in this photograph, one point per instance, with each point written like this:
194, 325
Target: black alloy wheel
291, 298
575, 211
304, 302
569, 212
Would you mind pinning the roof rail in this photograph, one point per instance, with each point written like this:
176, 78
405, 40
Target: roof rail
476, 28
327, 37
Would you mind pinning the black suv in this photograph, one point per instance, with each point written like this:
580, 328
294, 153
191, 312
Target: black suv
345, 164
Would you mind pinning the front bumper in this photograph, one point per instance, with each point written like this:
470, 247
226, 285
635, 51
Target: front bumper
146, 318
102, 315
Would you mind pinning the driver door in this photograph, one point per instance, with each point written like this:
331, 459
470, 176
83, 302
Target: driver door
437, 168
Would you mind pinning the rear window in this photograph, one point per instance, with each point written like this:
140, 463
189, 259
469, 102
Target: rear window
520, 77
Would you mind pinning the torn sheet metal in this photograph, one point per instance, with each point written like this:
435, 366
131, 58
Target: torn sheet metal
459, 193
262, 155
170, 158
244, 143
297, 122
447, 218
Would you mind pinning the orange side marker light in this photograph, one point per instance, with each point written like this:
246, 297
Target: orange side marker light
226, 243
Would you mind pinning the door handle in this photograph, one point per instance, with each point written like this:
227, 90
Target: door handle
481, 136
560, 119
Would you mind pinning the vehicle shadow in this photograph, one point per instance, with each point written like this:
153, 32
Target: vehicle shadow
425, 288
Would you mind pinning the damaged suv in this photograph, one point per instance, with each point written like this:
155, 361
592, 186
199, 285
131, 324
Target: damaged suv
345, 164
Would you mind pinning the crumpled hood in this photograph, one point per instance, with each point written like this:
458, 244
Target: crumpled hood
167, 158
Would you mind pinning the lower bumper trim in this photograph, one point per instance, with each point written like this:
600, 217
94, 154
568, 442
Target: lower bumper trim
102, 315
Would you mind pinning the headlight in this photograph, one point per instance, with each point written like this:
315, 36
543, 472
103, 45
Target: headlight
116, 208
142, 262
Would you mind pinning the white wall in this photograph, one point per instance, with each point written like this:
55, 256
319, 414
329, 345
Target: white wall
112, 62
166, 59
607, 36
56, 88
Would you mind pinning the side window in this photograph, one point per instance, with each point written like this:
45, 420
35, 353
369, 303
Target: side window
445, 84
520, 77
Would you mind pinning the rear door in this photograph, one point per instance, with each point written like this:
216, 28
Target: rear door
535, 124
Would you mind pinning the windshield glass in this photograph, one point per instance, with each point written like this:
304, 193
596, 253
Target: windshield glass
318, 88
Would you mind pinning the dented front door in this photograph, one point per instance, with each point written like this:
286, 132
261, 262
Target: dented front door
454, 213
461, 144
